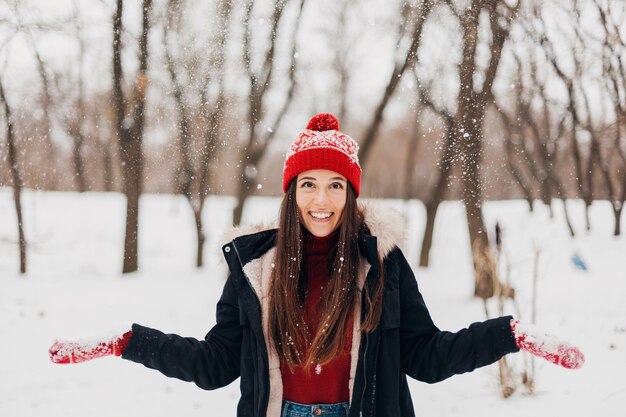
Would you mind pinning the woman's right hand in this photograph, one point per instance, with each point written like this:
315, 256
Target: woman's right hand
63, 352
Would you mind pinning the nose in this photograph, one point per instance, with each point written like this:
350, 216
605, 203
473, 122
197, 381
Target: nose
320, 196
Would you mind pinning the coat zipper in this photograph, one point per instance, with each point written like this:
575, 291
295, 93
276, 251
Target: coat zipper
367, 336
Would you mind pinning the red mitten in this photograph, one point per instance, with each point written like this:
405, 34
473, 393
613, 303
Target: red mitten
547, 346
76, 352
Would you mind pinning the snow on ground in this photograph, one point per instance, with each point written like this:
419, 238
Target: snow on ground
74, 289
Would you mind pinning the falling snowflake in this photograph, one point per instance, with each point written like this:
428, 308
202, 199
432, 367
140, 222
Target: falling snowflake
318, 369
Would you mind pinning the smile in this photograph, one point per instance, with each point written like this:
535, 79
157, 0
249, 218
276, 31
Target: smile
320, 215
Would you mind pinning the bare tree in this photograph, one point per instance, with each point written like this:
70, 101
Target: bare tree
547, 130
573, 112
75, 122
414, 139
537, 138
513, 138
51, 154
614, 75
214, 113
464, 134
18, 27
597, 161
445, 166
194, 176
16, 177
104, 138
260, 83
343, 44
408, 62
472, 102
184, 171
130, 128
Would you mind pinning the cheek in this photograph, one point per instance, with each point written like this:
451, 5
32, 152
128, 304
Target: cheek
340, 204
300, 202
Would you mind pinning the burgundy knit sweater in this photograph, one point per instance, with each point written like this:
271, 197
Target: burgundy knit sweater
328, 383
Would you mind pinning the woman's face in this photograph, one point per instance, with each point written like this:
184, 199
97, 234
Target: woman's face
321, 198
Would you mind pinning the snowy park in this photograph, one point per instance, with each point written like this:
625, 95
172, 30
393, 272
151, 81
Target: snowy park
138, 138
74, 290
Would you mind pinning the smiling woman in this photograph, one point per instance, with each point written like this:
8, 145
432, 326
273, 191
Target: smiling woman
323, 315
321, 197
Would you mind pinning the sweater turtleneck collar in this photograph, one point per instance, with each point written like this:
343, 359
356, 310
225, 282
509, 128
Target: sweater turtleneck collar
314, 245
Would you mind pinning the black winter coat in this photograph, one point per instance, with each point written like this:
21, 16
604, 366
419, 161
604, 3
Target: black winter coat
406, 341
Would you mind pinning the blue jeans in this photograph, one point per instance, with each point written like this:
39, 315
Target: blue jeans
291, 409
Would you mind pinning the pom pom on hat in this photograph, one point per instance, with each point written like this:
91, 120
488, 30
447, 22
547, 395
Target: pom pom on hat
323, 146
323, 122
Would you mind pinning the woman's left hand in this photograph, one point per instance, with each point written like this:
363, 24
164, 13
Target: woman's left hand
532, 340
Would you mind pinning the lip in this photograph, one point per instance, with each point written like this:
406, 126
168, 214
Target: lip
326, 220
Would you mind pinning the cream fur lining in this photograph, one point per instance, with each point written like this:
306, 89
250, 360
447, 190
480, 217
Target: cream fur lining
356, 331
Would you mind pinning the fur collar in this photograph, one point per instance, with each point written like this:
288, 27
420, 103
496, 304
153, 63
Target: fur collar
384, 222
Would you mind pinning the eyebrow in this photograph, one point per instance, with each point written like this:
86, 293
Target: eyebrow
315, 179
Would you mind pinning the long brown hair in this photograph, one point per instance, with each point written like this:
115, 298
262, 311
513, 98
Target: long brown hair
288, 330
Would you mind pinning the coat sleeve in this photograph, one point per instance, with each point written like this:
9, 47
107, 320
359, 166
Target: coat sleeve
210, 363
432, 355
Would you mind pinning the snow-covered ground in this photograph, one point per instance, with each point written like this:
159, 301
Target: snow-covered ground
74, 289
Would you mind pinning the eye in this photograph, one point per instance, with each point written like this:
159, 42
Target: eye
336, 186
307, 184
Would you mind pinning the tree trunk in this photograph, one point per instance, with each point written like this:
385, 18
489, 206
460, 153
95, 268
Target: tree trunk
618, 206
260, 84
131, 163
541, 154
440, 188
200, 234
17, 180
107, 166
568, 222
471, 107
51, 176
242, 195
427, 240
484, 266
130, 132
468, 136
517, 174
77, 158
411, 153
617, 211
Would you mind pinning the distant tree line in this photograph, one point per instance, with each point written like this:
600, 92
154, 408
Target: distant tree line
470, 100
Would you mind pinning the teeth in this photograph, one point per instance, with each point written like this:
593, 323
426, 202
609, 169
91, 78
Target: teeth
320, 215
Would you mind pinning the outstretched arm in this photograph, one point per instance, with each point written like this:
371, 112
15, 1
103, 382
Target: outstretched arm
431, 355
210, 363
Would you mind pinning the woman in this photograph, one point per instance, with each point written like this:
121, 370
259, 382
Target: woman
323, 314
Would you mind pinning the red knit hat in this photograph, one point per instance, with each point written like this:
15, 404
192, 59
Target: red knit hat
323, 146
